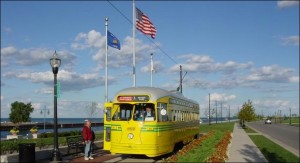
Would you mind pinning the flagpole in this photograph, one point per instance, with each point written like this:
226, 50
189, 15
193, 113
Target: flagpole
133, 35
151, 69
106, 49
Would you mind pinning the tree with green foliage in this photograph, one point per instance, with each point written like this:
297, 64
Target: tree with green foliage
247, 113
20, 112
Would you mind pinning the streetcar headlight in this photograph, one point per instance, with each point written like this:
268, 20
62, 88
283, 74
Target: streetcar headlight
130, 136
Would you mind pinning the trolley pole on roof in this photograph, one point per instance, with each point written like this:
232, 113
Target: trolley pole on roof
180, 79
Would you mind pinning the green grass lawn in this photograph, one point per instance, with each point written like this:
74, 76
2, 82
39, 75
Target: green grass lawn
204, 151
294, 120
249, 130
207, 147
205, 128
272, 151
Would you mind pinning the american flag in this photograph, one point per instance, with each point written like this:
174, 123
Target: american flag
144, 24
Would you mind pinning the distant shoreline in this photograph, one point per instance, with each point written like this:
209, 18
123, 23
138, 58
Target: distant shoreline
28, 125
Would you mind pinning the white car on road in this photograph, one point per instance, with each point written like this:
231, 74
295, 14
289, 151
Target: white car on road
268, 121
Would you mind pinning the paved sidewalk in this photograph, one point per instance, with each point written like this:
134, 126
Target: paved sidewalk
242, 149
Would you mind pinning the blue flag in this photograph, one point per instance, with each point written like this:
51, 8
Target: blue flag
113, 41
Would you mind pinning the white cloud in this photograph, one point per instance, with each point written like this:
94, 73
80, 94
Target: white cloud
290, 40
2, 97
287, 3
48, 90
294, 79
34, 56
70, 81
205, 64
71, 109
273, 73
221, 97
116, 58
92, 39
248, 79
271, 103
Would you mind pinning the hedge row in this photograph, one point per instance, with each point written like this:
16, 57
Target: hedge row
10, 146
62, 134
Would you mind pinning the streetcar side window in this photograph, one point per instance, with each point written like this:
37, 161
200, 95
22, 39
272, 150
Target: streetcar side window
108, 114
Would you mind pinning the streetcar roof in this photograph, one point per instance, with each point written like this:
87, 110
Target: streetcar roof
153, 92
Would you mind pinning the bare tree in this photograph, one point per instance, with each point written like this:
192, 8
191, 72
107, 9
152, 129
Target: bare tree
91, 110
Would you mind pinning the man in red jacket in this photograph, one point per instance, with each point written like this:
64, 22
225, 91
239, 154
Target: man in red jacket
87, 135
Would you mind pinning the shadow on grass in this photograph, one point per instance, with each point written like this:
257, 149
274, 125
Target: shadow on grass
251, 153
272, 157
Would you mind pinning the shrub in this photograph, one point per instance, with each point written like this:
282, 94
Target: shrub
34, 129
14, 130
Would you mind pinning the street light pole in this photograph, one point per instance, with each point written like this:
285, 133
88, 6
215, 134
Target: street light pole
55, 63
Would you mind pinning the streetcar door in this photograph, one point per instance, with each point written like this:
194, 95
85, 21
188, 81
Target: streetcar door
107, 126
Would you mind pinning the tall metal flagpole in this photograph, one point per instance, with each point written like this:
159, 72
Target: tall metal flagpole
106, 49
151, 69
133, 35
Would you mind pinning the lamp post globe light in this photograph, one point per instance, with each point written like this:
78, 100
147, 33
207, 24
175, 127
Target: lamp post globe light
55, 63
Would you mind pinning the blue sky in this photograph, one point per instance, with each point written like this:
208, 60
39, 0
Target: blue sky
233, 50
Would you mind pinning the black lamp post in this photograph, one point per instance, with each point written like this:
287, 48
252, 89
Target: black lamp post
55, 63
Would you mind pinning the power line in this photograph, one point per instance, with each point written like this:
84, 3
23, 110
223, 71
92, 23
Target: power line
165, 53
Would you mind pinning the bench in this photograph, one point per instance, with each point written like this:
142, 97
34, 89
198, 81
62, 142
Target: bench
75, 142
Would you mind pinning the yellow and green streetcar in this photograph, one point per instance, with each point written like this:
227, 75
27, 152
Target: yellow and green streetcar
149, 121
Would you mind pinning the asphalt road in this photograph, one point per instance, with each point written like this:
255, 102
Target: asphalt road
284, 135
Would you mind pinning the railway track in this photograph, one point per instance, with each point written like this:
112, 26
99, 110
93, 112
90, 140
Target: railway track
104, 156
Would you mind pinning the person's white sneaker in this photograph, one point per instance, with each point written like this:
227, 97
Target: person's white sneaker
91, 158
86, 158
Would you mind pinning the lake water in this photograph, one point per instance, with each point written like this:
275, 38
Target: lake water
50, 120
73, 120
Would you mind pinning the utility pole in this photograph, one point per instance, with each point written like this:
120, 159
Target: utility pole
275, 115
221, 111
180, 79
290, 116
209, 108
279, 116
229, 114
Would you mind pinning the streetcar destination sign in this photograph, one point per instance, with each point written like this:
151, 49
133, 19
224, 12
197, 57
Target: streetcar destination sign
136, 98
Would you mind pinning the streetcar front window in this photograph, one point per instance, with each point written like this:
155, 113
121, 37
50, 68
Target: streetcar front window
144, 112
123, 112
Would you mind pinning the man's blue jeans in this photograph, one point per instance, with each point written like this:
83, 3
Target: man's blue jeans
88, 149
